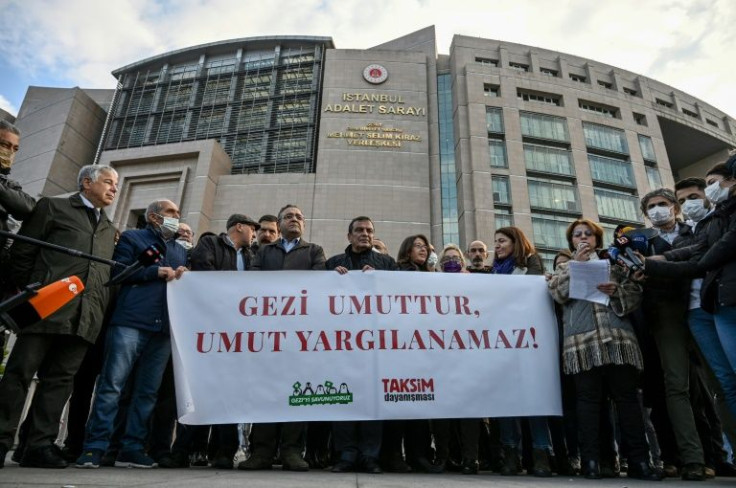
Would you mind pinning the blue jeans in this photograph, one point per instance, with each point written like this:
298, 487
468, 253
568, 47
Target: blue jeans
510, 430
125, 348
715, 335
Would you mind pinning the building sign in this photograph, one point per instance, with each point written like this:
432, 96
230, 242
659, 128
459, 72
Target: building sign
375, 73
375, 135
375, 103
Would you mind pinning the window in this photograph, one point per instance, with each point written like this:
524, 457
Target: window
712, 122
497, 153
612, 171
256, 86
501, 190
689, 113
605, 84
171, 128
178, 96
599, 109
248, 151
553, 195
491, 90
653, 178
617, 205
487, 62
503, 217
640, 119
549, 72
605, 138
544, 127
549, 230
631, 91
548, 159
663, 103
494, 120
252, 116
578, 78
519, 67
256, 62
292, 112
220, 66
134, 132
187, 72
548, 98
210, 122
647, 148
216, 91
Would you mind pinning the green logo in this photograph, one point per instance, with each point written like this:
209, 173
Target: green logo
325, 394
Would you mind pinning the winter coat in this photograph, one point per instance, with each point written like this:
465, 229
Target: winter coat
141, 303
66, 222
714, 254
370, 257
216, 253
304, 256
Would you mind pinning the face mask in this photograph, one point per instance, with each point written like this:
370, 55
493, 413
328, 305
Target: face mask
659, 215
715, 193
432, 259
185, 244
169, 227
452, 267
694, 209
6, 158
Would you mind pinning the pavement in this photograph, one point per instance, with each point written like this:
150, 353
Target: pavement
14, 476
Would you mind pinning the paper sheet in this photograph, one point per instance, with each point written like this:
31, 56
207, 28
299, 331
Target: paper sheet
585, 277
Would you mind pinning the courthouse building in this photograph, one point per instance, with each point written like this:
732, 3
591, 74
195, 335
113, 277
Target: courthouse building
449, 145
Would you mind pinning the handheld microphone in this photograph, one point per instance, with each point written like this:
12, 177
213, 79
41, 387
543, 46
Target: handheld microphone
31, 305
151, 255
637, 265
615, 256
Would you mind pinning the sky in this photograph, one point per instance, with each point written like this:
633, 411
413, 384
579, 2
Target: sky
688, 44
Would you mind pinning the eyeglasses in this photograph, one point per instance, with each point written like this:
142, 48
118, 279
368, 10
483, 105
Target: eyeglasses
290, 216
579, 233
420, 246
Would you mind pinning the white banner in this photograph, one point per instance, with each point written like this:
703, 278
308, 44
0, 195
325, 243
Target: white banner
315, 345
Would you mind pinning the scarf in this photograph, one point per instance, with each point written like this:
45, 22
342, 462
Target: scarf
504, 266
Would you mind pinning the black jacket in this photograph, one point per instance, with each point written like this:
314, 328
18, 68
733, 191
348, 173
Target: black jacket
215, 253
370, 257
670, 291
18, 204
713, 254
304, 256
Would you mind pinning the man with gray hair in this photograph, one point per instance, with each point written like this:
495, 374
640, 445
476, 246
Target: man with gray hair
53, 348
137, 340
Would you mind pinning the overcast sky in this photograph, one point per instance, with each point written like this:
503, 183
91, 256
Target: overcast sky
689, 44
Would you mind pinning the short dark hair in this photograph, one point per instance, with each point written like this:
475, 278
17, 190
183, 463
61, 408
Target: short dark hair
720, 169
288, 205
361, 218
688, 182
268, 218
593, 226
561, 253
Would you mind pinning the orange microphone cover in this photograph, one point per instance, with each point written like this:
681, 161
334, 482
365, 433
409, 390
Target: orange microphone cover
53, 296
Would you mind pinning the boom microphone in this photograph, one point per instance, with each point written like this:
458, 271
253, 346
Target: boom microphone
151, 255
33, 305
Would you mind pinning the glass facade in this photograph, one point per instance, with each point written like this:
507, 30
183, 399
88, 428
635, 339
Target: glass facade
262, 105
541, 126
605, 138
548, 159
647, 148
616, 205
549, 230
448, 176
612, 171
501, 190
553, 195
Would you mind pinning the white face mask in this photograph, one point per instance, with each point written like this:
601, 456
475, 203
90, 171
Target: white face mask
185, 244
659, 215
715, 193
169, 226
432, 259
694, 209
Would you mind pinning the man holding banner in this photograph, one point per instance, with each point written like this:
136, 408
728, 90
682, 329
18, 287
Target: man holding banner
359, 442
291, 252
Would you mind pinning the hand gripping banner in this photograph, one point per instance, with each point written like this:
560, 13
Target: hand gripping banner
315, 345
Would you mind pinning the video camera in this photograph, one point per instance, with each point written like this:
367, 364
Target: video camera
627, 241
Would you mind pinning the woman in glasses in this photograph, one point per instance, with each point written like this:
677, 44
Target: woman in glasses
602, 354
413, 253
514, 254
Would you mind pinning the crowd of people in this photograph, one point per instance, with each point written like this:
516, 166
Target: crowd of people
648, 378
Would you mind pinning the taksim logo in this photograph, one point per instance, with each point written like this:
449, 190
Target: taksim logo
375, 73
408, 389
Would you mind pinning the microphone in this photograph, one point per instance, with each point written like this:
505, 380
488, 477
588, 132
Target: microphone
151, 255
614, 255
31, 305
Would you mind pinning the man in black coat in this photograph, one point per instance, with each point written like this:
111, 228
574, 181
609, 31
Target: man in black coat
359, 442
